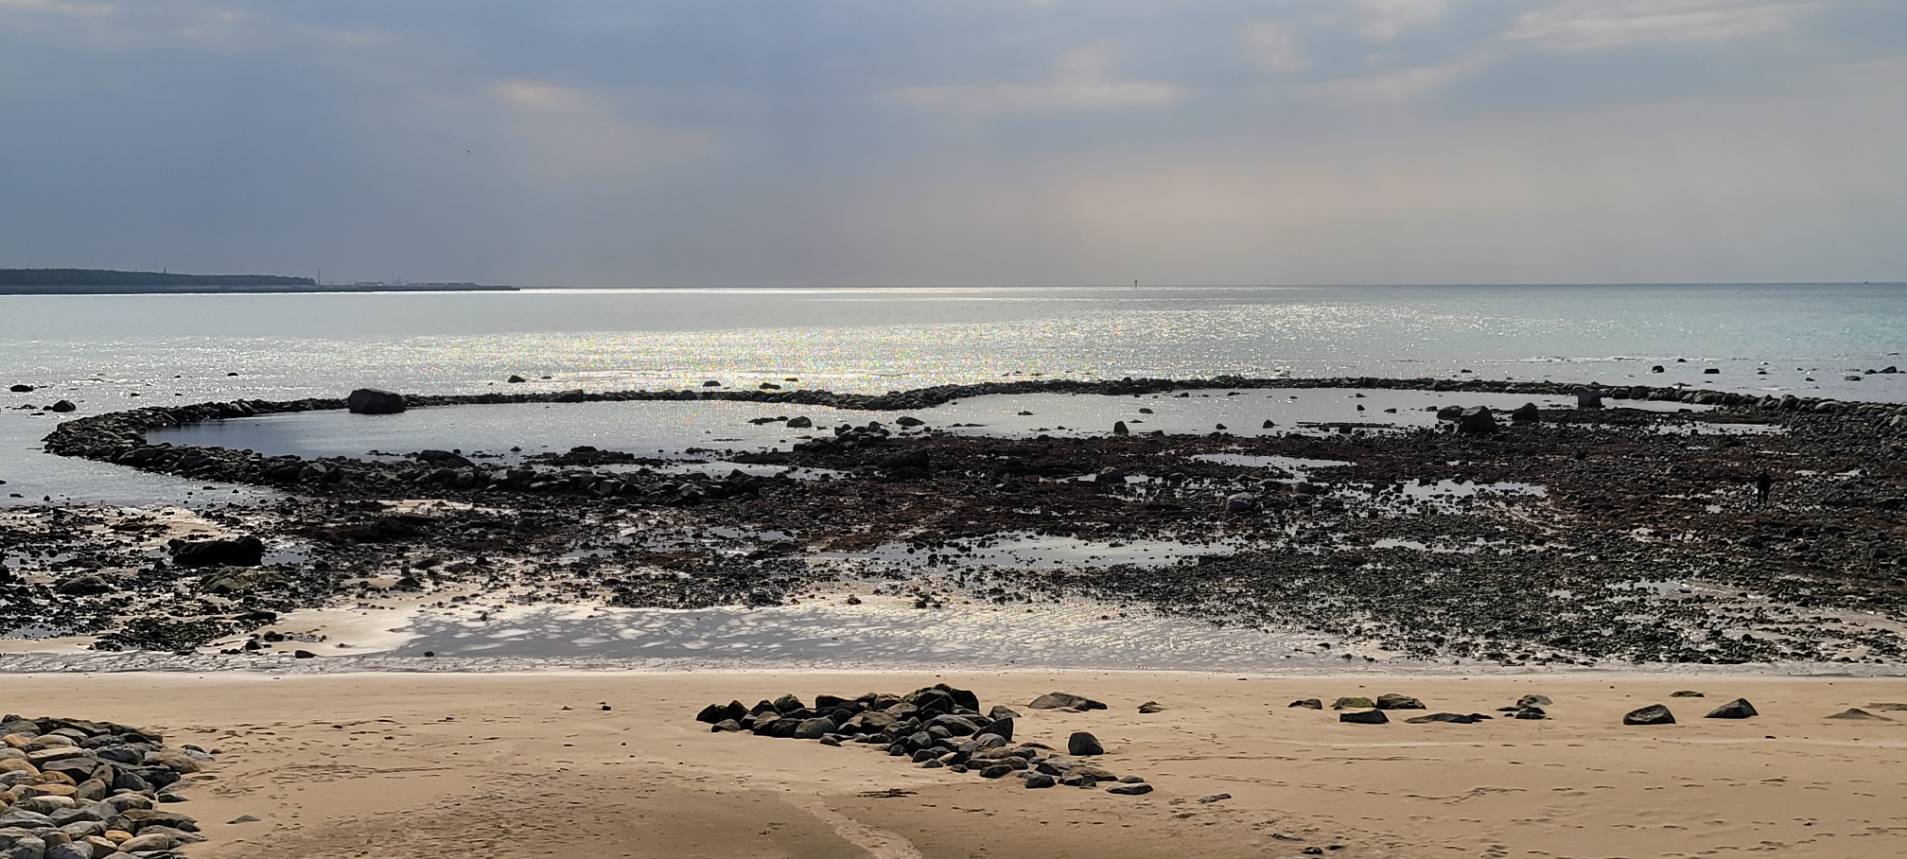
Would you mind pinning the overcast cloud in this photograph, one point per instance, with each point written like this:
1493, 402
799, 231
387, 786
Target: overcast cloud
605, 142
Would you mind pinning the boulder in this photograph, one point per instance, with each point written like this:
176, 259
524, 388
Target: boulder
1134, 789
84, 584
372, 401
1736, 709
1527, 413
1476, 420
715, 713
1589, 399
62, 406
1364, 717
1654, 714
800, 422
235, 552
1394, 701
1242, 502
1082, 743
1065, 700
814, 729
1451, 718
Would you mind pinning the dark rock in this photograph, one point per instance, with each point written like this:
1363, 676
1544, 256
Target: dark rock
1736, 709
714, 713
236, 552
1065, 700
800, 422
1476, 420
962, 698
372, 401
1452, 718
62, 406
1040, 780
1307, 703
1353, 703
1364, 717
1687, 693
958, 726
1082, 743
814, 729
1394, 701
84, 584
515, 379
1134, 789
1527, 413
1654, 714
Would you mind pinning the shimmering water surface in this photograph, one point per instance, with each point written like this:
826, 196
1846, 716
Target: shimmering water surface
99, 351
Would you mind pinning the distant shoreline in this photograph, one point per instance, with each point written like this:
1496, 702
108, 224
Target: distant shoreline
100, 281
259, 289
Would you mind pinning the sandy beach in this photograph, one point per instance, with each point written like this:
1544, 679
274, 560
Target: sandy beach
534, 765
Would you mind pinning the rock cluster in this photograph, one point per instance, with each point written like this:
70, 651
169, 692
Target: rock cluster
938, 727
77, 789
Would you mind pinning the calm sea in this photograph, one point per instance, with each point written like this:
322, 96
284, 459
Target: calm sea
99, 351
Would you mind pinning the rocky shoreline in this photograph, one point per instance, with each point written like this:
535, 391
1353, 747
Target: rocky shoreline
1562, 537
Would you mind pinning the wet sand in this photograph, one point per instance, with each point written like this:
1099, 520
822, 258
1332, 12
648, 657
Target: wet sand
494, 765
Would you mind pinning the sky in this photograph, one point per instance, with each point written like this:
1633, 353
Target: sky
959, 142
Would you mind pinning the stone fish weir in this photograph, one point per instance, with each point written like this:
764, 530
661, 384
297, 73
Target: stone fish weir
119, 437
77, 789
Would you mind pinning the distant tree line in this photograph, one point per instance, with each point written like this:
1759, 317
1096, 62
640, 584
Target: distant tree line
105, 277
